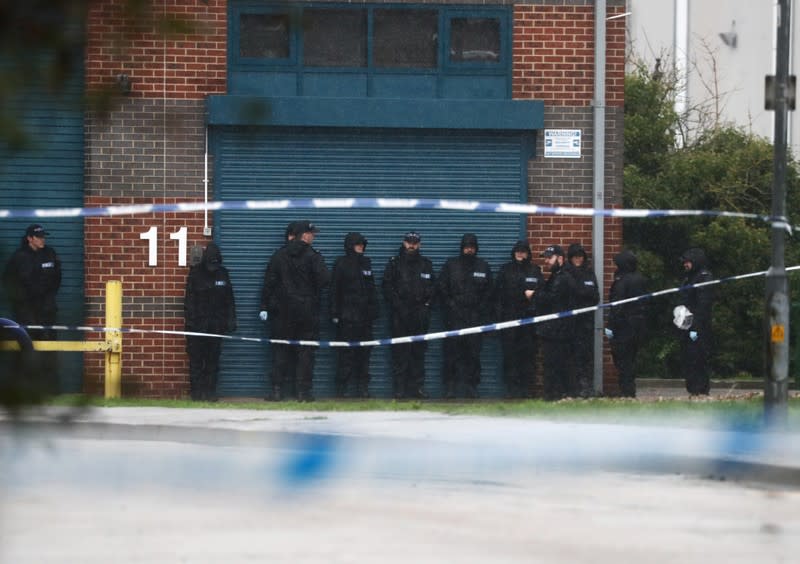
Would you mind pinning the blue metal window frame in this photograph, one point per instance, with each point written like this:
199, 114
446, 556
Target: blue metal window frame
294, 62
255, 63
477, 67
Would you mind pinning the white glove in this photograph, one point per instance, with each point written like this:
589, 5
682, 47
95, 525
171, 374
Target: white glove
335, 320
263, 316
693, 335
609, 333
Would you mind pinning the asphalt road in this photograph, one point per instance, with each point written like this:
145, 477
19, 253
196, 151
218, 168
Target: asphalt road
149, 485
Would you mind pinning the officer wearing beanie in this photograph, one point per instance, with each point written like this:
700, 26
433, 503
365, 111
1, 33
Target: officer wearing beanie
464, 286
354, 307
515, 291
585, 294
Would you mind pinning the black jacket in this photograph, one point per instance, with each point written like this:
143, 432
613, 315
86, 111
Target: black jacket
408, 281
465, 287
269, 293
698, 300
208, 305
627, 321
555, 296
585, 291
353, 295
297, 274
512, 281
32, 279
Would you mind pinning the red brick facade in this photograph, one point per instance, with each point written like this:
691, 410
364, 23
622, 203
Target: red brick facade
150, 150
121, 170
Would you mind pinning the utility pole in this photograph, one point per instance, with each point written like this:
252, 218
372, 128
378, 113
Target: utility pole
779, 97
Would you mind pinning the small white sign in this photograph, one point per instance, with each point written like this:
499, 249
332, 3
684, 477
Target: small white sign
562, 143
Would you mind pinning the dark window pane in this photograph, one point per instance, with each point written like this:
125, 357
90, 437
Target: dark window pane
475, 40
405, 38
264, 35
335, 38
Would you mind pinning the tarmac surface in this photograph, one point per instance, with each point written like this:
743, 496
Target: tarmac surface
146, 484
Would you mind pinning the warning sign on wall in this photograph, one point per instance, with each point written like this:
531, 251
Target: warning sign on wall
562, 143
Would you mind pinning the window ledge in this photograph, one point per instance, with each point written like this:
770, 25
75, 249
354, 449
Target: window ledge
521, 115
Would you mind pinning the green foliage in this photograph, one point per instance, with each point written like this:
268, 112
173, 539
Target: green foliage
724, 169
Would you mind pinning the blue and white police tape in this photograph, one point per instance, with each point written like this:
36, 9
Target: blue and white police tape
491, 327
385, 203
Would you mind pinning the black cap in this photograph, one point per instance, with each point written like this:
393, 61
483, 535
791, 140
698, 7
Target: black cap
36, 230
412, 237
553, 250
304, 226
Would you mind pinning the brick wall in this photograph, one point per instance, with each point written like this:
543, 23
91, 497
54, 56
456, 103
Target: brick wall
553, 50
186, 60
148, 150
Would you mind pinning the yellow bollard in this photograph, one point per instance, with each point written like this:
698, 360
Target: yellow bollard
113, 381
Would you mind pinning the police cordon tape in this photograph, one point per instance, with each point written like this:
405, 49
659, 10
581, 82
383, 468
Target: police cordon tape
491, 327
383, 203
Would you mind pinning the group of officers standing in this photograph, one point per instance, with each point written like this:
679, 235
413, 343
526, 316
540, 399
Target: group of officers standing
469, 295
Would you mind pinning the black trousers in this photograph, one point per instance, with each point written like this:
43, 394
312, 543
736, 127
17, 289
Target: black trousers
556, 366
624, 355
353, 363
581, 384
301, 324
203, 366
462, 362
408, 359
519, 360
40, 366
694, 356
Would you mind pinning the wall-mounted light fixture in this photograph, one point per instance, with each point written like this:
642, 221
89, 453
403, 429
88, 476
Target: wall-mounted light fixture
124, 84
730, 38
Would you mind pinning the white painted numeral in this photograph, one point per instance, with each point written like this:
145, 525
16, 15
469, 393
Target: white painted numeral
152, 244
180, 235
152, 248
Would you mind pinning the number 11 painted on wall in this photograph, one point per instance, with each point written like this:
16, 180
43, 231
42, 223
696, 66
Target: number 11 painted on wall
152, 238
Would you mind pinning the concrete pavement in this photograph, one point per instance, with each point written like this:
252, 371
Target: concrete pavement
134, 485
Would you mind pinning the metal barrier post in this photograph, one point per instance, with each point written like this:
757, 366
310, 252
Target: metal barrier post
113, 365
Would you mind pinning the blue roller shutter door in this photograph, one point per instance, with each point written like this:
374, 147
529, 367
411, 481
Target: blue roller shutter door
257, 163
47, 172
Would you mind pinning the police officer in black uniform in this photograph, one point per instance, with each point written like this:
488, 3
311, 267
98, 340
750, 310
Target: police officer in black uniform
298, 275
354, 307
585, 293
465, 289
696, 341
626, 322
515, 289
409, 287
32, 278
208, 307
555, 335
282, 377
